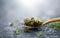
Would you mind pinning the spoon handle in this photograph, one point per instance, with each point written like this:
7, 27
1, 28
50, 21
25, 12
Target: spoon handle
51, 20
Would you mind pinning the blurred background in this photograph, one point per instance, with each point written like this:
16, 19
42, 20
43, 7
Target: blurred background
13, 9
